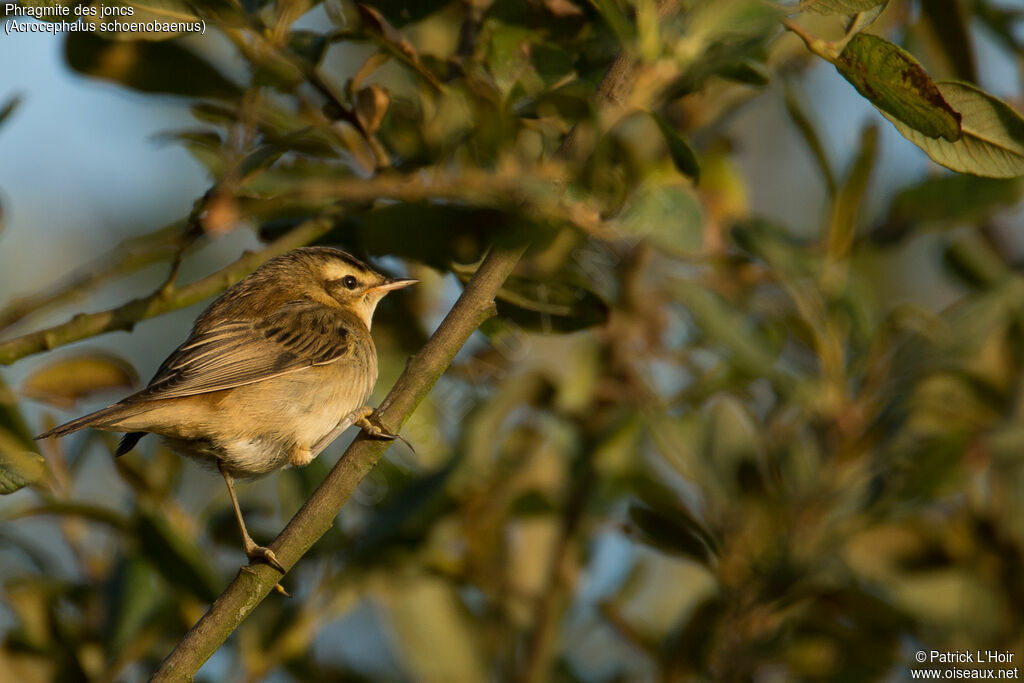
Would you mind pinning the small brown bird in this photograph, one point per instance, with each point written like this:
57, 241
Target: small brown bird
273, 371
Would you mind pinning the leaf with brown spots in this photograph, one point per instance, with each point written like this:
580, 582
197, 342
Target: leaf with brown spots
992, 143
898, 85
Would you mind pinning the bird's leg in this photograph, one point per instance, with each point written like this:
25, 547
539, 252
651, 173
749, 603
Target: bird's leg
342, 425
358, 417
252, 551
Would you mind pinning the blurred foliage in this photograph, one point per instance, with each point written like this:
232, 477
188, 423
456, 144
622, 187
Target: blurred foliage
693, 445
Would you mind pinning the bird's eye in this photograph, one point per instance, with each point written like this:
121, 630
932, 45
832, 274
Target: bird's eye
349, 282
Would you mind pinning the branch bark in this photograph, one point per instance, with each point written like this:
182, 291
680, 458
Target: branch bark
316, 516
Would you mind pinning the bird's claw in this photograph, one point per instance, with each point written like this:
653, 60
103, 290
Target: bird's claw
378, 432
258, 553
261, 554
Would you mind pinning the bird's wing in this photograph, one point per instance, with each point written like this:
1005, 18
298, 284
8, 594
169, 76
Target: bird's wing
238, 352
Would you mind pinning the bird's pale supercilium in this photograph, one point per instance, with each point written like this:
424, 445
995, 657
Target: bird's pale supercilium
273, 371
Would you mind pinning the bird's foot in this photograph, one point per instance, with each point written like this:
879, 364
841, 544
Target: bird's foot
257, 553
378, 432
300, 457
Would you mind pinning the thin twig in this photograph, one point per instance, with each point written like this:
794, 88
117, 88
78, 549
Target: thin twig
124, 317
131, 255
531, 192
316, 516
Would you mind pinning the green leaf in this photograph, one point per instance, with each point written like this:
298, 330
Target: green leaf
18, 468
747, 71
508, 57
1002, 22
894, 82
950, 21
165, 67
261, 158
532, 503
551, 62
11, 420
88, 512
683, 155
725, 325
444, 232
136, 599
388, 37
163, 12
992, 144
275, 123
402, 12
850, 195
975, 263
405, 518
950, 199
666, 212
839, 6
803, 123
551, 306
227, 13
565, 302
673, 530
205, 146
434, 633
64, 382
731, 443
616, 19
310, 45
178, 559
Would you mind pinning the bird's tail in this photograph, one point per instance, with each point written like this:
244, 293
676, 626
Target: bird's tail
101, 419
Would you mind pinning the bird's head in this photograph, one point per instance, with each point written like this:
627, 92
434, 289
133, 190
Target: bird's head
356, 286
329, 276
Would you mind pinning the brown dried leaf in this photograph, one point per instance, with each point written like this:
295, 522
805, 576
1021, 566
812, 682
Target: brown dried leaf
372, 104
392, 39
221, 215
562, 8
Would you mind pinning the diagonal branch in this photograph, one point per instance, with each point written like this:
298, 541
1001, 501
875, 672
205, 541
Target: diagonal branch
476, 304
316, 516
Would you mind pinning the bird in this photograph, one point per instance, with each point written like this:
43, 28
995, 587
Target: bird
272, 372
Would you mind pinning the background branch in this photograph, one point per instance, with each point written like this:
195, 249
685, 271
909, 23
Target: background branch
165, 299
131, 255
316, 516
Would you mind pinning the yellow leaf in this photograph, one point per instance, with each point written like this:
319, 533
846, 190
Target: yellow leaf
65, 381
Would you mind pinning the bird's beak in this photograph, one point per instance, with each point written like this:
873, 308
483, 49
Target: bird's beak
392, 284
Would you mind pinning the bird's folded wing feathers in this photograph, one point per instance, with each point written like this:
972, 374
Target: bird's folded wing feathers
234, 353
